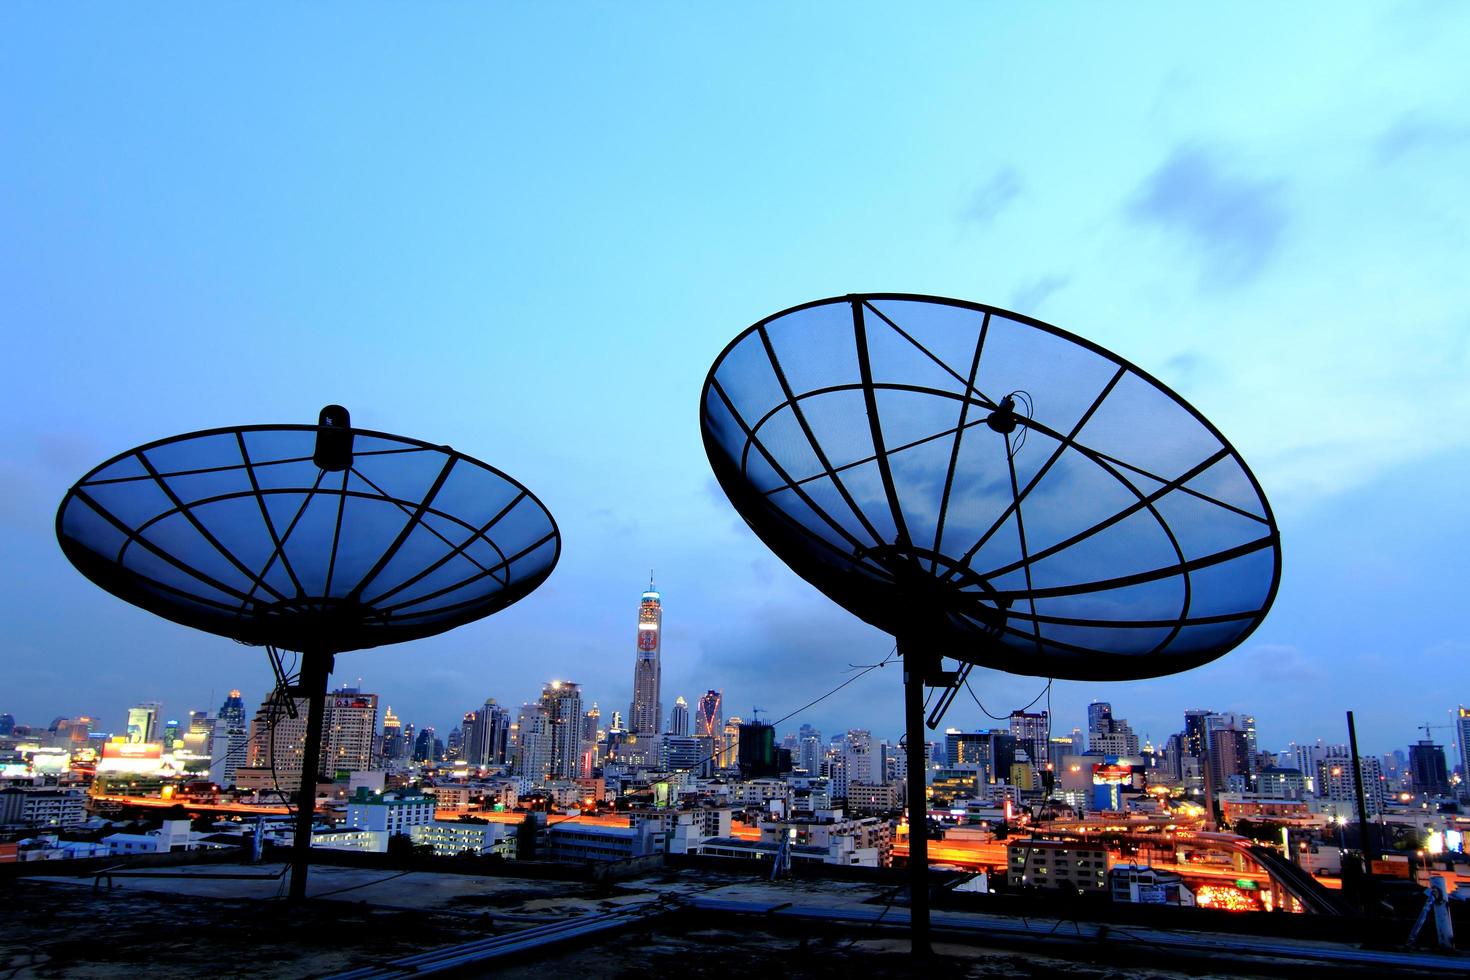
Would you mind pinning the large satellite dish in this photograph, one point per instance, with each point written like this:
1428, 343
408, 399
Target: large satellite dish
989, 488
314, 538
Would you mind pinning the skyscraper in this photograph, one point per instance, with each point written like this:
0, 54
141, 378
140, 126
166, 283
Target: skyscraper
1462, 740
561, 701
854, 763
468, 737
424, 747
1426, 761
645, 714
1196, 724
348, 727
143, 722
729, 742
232, 720
756, 754
392, 744
709, 720
277, 739
679, 717
486, 738
1030, 732
533, 743
1099, 722
810, 750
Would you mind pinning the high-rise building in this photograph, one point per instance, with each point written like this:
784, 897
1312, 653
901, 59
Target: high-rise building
1229, 756
809, 750
143, 722
757, 750
1241, 725
469, 736
645, 714
231, 718
729, 742
277, 737
1196, 724
348, 727
1099, 721
562, 703
679, 717
486, 738
392, 744
1462, 740
533, 743
682, 753
232, 709
1430, 774
7, 723
1171, 758
80, 730
425, 746
990, 753
1030, 732
1334, 782
709, 721
854, 763
277, 740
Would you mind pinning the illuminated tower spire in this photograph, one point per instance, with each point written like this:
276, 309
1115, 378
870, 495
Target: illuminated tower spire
645, 714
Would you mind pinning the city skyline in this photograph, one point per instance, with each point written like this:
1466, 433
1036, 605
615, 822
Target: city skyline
966, 715
191, 242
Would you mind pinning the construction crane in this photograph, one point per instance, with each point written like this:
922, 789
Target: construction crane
1427, 726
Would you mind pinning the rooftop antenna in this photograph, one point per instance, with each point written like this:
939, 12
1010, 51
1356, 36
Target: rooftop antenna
991, 490
315, 538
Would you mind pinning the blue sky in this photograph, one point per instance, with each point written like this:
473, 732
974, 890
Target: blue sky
528, 234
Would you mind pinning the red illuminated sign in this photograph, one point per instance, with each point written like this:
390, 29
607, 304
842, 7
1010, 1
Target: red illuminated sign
132, 750
1103, 775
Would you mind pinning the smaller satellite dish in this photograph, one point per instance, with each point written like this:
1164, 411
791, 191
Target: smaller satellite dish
322, 538
317, 538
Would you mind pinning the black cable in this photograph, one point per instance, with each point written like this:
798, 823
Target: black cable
1044, 691
839, 687
364, 884
871, 667
892, 897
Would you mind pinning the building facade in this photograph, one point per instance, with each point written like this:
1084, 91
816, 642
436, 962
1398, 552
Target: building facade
645, 714
679, 717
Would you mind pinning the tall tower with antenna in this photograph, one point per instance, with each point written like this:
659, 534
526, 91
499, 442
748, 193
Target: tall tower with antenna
645, 714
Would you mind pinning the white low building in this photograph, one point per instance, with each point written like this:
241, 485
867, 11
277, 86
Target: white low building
457, 838
1140, 884
390, 813
173, 835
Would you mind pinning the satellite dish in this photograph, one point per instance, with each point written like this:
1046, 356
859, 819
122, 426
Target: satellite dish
243, 533
315, 538
986, 487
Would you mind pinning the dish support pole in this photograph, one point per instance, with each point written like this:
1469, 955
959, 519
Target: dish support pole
916, 667
316, 667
